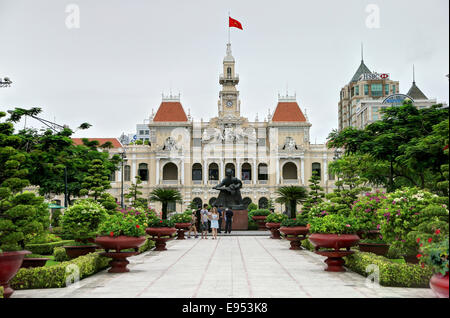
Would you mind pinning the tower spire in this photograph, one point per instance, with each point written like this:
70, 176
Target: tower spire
414, 76
362, 52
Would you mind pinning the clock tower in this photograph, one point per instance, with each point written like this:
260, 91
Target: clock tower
229, 103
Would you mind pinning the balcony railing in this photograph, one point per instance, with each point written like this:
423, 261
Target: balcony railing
197, 181
170, 182
213, 182
290, 181
262, 181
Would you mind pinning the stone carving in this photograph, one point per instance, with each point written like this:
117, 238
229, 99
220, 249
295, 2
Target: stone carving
170, 144
230, 192
290, 144
212, 135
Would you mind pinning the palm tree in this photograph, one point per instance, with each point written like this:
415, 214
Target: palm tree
290, 196
165, 195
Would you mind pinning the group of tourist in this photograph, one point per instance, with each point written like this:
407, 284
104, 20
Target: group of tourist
210, 221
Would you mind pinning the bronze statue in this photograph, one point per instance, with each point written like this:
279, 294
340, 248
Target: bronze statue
230, 193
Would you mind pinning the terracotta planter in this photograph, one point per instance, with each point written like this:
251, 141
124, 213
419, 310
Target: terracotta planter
439, 285
181, 228
75, 251
157, 234
119, 260
298, 234
9, 265
376, 248
274, 230
334, 261
31, 262
261, 221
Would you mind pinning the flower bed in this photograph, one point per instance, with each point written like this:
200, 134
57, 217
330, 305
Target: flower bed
55, 276
391, 274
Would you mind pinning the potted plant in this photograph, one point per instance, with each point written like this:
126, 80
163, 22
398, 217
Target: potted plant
120, 232
334, 231
81, 222
295, 230
273, 223
259, 216
20, 215
435, 254
182, 223
160, 231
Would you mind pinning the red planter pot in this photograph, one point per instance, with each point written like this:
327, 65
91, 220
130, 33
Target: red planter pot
334, 261
75, 251
298, 234
376, 248
9, 265
439, 285
157, 234
31, 262
119, 260
261, 221
181, 228
274, 229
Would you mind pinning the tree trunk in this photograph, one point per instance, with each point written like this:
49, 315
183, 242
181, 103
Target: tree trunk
293, 206
164, 210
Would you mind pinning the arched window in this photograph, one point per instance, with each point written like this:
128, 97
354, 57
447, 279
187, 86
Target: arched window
212, 201
290, 171
127, 173
213, 171
316, 167
263, 203
246, 201
198, 202
112, 176
229, 72
170, 171
263, 172
196, 172
246, 171
231, 166
171, 206
143, 171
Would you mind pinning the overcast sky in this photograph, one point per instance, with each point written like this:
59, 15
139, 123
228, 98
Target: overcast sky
112, 70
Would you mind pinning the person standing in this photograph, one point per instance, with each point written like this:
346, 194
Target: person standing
221, 213
204, 213
214, 222
193, 225
228, 220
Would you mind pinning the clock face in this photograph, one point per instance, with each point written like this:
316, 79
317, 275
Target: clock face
229, 103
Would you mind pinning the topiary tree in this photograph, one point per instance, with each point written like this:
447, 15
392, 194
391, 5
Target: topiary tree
315, 195
134, 194
97, 180
165, 195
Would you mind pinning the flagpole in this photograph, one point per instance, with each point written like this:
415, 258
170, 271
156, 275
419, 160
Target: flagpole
229, 27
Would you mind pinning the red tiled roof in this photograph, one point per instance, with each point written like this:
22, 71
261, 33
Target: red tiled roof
115, 142
288, 111
170, 111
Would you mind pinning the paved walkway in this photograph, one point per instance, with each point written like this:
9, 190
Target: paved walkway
233, 266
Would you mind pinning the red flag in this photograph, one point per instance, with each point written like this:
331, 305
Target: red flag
234, 23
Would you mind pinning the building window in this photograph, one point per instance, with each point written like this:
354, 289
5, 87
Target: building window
141, 132
375, 117
262, 171
386, 89
263, 203
198, 202
212, 201
213, 171
290, 171
316, 168
331, 176
246, 171
171, 206
356, 90
352, 91
393, 89
143, 171
170, 171
377, 89
246, 201
261, 142
375, 108
229, 72
366, 89
197, 171
147, 132
231, 166
112, 176
127, 173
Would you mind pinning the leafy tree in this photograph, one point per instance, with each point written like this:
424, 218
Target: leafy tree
165, 195
97, 180
316, 194
290, 196
134, 194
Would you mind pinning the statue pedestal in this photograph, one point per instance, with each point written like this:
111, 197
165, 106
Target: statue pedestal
240, 220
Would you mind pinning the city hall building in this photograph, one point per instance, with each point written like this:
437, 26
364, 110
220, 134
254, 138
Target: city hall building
191, 156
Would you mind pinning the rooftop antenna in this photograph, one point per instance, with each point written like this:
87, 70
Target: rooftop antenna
362, 52
414, 76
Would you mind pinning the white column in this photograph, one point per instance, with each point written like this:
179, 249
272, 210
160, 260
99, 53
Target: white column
133, 168
325, 171
205, 172
302, 170
277, 181
222, 169
255, 174
157, 171
182, 171
238, 169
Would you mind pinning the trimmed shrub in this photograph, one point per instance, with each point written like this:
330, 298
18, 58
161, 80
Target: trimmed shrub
308, 245
60, 254
55, 276
391, 274
46, 248
252, 225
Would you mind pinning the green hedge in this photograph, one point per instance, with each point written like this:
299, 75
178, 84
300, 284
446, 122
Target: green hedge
391, 274
46, 248
60, 254
55, 276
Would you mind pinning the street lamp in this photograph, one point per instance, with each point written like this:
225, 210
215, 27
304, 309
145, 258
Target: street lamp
123, 154
6, 82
